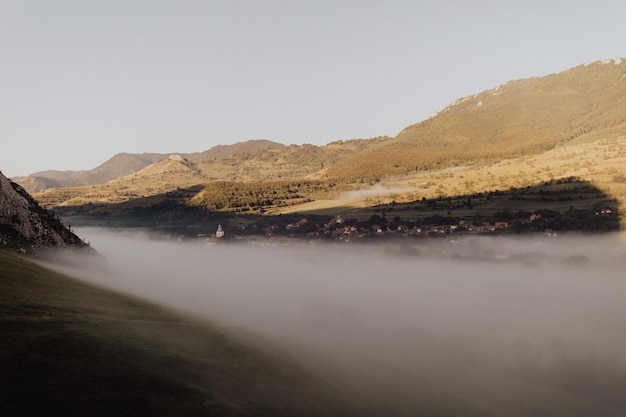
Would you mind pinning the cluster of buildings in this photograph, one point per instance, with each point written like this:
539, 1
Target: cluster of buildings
338, 230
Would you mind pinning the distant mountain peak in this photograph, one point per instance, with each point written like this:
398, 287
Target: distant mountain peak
123, 164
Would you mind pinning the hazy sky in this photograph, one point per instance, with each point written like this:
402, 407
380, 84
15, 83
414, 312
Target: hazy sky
83, 80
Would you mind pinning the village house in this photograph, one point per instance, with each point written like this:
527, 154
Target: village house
297, 225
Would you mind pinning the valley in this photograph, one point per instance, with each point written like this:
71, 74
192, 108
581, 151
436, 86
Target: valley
580, 178
483, 274
540, 133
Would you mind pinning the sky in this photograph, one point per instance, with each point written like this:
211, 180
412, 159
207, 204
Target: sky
81, 81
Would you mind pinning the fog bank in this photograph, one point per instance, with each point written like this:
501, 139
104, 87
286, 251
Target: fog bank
528, 326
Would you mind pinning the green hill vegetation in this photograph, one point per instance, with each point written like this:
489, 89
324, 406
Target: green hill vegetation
259, 196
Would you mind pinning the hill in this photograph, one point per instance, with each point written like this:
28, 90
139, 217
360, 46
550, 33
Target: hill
523, 117
221, 151
119, 165
281, 163
27, 227
72, 349
523, 133
124, 164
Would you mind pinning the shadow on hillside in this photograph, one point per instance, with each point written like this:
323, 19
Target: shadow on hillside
167, 210
568, 204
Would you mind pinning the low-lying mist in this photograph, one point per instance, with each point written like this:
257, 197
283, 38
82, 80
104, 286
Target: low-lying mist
509, 326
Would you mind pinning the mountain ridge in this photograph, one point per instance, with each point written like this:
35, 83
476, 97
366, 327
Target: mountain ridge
518, 119
123, 163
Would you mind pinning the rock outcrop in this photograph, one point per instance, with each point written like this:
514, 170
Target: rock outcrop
26, 226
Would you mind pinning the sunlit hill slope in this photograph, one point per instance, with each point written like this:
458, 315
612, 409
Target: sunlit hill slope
519, 118
522, 133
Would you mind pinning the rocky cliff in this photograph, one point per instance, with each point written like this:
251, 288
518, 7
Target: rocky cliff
26, 226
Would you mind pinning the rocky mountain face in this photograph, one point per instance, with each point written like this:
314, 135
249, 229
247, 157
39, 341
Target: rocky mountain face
25, 226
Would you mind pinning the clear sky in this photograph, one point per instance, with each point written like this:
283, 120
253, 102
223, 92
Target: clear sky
81, 80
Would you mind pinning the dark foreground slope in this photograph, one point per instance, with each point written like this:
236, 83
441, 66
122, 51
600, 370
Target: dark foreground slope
70, 349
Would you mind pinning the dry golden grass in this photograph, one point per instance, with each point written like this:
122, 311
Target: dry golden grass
524, 117
273, 164
520, 134
596, 158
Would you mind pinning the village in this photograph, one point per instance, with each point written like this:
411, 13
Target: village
340, 229
377, 227
348, 231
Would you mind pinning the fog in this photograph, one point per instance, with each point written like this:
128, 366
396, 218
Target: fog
508, 326
374, 191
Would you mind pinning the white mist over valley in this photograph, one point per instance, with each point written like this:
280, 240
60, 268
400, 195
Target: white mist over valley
510, 326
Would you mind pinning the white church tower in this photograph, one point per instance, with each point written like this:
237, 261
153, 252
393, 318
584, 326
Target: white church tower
220, 232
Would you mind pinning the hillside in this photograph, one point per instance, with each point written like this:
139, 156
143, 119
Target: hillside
72, 349
522, 133
283, 163
118, 166
27, 227
221, 151
523, 117
596, 158
124, 164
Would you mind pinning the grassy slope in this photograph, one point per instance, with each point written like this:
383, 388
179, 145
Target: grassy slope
597, 158
72, 349
269, 164
519, 118
520, 134
124, 164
